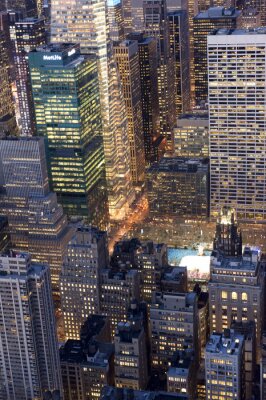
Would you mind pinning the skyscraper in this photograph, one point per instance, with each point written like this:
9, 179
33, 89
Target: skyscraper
237, 122
156, 25
29, 353
203, 24
68, 24
133, 16
127, 58
87, 254
179, 47
116, 21
36, 221
8, 123
67, 108
30, 33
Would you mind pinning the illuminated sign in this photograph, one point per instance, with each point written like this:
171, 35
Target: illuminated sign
54, 57
71, 52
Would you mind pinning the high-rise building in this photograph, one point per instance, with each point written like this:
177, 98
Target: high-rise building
30, 33
203, 24
117, 290
156, 25
116, 21
224, 364
79, 281
87, 23
8, 123
131, 359
127, 58
154, 143
191, 135
173, 326
178, 186
29, 353
133, 16
236, 290
36, 221
179, 47
87, 364
237, 118
67, 108
27, 7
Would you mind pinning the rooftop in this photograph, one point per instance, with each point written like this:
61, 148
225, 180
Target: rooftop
229, 343
180, 164
111, 393
247, 262
239, 32
218, 12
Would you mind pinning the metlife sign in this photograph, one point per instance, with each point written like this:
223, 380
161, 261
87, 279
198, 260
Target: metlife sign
54, 57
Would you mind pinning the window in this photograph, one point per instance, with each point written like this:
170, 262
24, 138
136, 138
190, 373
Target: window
244, 296
224, 295
234, 296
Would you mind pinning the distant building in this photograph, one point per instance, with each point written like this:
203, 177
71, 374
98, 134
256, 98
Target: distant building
87, 364
181, 375
116, 21
191, 135
30, 33
178, 187
87, 254
179, 47
173, 326
29, 352
131, 356
8, 125
127, 58
117, 290
203, 24
224, 364
28, 8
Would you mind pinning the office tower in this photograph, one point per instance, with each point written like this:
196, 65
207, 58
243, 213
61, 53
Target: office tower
36, 221
117, 290
154, 143
228, 238
203, 318
112, 393
181, 374
191, 135
87, 364
237, 128
201, 384
116, 21
87, 23
251, 18
236, 290
224, 359
133, 16
68, 115
248, 331
8, 123
28, 8
29, 353
157, 25
131, 361
203, 24
127, 58
30, 33
179, 47
173, 326
79, 280
178, 186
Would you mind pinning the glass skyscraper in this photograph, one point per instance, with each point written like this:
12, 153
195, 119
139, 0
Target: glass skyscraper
67, 108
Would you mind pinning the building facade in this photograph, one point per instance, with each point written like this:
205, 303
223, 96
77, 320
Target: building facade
86, 255
29, 352
237, 118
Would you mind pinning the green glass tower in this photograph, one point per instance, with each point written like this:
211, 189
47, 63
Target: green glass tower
67, 111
